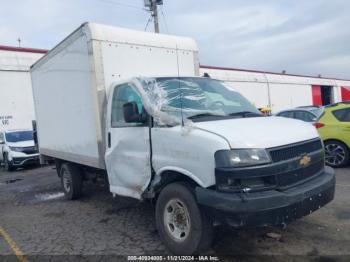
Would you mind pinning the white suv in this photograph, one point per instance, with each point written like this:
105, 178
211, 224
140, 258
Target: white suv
17, 149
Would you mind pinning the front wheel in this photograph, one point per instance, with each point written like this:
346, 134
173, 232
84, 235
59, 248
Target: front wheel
182, 226
8, 164
337, 153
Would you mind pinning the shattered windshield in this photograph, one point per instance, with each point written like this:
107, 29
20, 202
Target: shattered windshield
189, 97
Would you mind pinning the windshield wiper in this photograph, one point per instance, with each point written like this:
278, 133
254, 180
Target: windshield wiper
204, 115
246, 114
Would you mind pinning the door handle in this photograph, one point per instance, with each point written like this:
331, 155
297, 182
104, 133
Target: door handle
109, 139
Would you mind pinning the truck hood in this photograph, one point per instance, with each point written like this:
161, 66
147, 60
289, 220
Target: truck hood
260, 132
21, 144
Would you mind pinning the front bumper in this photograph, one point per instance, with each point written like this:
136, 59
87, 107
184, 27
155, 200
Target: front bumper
273, 207
22, 161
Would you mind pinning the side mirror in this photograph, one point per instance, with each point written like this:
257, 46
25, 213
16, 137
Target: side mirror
131, 113
2, 142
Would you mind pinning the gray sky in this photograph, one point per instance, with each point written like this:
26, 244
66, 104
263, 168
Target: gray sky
299, 36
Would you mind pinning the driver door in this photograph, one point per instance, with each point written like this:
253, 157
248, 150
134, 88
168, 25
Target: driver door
128, 150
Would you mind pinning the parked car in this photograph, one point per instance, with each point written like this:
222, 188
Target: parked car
333, 124
17, 149
305, 113
334, 128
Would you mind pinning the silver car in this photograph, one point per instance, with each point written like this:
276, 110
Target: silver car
305, 113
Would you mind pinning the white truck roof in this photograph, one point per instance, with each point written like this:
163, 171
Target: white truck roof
111, 34
127, 36
71, 82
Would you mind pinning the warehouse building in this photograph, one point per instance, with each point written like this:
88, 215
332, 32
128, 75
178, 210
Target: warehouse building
280, 91
16, 103
276, 91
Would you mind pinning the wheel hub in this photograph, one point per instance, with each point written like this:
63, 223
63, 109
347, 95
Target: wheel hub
177, 220
335, 154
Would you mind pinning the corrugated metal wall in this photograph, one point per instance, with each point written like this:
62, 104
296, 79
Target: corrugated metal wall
277, 91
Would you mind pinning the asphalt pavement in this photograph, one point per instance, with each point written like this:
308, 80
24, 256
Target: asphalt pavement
37, 223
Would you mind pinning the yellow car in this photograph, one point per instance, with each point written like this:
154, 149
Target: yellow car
334, 128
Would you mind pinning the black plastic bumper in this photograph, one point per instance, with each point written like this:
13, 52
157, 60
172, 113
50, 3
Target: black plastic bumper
269, 207
22, 161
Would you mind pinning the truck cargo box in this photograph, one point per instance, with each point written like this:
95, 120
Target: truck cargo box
70, 84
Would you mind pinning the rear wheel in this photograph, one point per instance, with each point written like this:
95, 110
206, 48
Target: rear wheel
337, 153
71, 180
182, 226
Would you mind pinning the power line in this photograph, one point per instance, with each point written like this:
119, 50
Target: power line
149, 20
165, 22
125, 5
152, 7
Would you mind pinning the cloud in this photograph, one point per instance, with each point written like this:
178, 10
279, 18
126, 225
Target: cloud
303, 37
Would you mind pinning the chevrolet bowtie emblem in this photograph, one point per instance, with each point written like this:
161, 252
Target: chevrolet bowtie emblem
305, 161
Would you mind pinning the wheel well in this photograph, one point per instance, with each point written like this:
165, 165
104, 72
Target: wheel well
58, 164
168, 177
86, 172
336, 140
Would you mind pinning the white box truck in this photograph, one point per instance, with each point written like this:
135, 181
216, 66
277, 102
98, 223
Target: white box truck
130, 105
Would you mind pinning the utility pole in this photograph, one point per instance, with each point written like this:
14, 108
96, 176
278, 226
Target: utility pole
154, 6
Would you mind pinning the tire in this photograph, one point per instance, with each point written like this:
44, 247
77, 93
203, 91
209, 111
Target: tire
197, 230
8, 164
71, 180
337, 153
58, 167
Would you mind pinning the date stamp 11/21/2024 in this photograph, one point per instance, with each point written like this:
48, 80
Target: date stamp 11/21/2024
173, 258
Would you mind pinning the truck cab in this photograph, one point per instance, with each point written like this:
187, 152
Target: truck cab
197, 145
17, 149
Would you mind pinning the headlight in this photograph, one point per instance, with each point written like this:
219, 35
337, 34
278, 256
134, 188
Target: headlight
241, 157
16, 149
